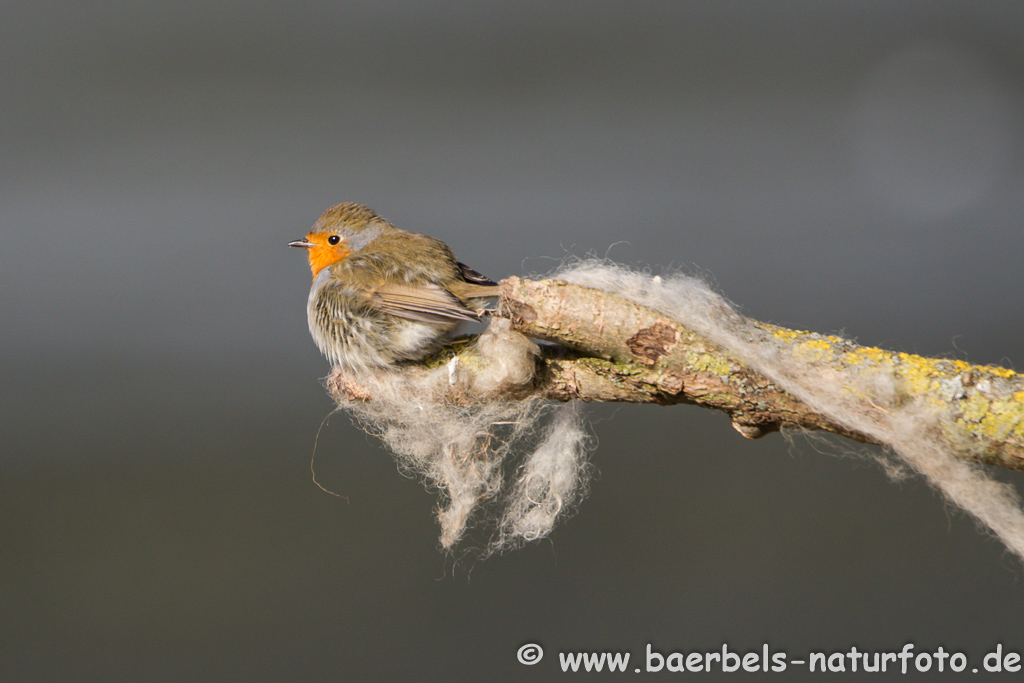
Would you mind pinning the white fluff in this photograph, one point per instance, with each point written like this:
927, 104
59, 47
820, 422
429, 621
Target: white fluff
910, 430
550, 481
461, 450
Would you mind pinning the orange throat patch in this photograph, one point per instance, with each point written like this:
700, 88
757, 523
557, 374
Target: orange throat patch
323, 255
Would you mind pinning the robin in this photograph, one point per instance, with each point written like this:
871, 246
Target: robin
382, 295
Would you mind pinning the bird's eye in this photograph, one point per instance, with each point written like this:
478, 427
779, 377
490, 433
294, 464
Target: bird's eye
333, 239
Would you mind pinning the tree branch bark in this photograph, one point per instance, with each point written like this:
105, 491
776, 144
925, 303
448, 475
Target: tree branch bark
611, 349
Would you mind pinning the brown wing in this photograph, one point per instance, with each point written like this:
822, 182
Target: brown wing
470, 275
425, 303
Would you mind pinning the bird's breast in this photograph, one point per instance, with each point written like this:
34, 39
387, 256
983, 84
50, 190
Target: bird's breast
352, 333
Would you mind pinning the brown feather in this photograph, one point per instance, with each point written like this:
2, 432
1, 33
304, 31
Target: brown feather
467, 290
470, 275
423, 303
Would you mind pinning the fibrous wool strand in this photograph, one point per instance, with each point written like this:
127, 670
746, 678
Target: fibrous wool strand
460, 448
867, 400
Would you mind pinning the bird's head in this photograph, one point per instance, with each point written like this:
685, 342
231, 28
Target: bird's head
340, 231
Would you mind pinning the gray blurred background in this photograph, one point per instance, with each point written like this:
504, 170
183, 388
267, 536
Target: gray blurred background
836, 166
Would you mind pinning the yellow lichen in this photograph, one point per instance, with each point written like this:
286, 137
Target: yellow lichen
786, 335
816, 345
814, 349
867, 353
1002, 418
920, 373
997, 371
974, 408
716, 364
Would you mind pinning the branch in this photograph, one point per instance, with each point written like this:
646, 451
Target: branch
611, 349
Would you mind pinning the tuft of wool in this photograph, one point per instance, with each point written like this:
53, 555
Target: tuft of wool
910, 429
460, 449
551, 480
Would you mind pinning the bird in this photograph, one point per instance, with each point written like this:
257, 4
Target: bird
381, 295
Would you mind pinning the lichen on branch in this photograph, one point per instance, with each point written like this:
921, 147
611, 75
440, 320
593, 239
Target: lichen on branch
616, 335
627, 352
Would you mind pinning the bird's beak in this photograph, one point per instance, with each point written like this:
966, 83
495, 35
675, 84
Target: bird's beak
304, 243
